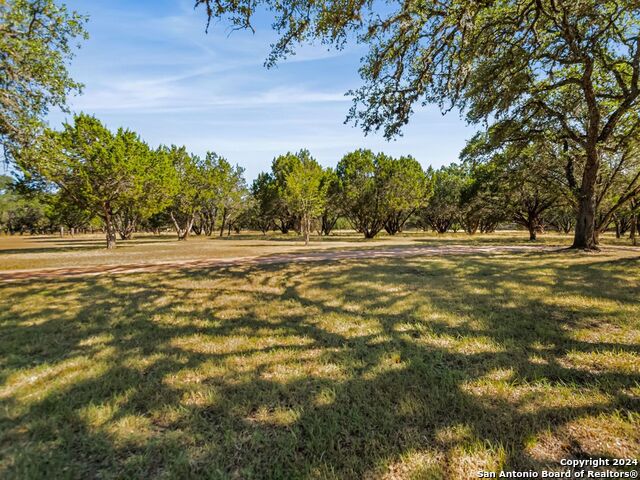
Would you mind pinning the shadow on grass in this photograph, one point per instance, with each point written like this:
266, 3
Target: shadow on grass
325, 371
80, 243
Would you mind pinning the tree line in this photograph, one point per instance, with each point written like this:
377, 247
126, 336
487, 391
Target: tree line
557, 77
88, 177
553, 84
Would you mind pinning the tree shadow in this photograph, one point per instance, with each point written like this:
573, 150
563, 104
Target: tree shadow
335, 370
80, 243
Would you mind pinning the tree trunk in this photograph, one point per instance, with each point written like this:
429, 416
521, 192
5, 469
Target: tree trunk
585, 237
224, 221
183, 233
283, 226
634, 229
306, 223
109, 229
585, 234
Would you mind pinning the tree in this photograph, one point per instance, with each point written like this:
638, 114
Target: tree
281, 167
209, 179
517, 175
566, 65
83, 161
36, 41
20, 212
362, 196
405, 190
306, 191
153, 184
188, 198
98, 171
66, 213
635, 220
232, 192
332, 209
482, 204
264, 194
561, 216
443, 209
7, 199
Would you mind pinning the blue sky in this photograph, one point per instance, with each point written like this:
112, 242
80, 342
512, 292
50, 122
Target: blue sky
149, 66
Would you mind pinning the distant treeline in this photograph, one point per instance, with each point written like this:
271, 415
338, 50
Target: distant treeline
86, 178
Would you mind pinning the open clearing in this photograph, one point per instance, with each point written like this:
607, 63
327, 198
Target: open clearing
38, 252
412, 367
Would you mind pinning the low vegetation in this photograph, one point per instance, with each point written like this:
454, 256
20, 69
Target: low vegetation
430, 367
36, 252
407, 368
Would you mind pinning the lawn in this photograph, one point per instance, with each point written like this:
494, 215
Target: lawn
422, 367
27, 252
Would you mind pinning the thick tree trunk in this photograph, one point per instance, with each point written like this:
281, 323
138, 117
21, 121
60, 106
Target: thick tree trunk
283, 226
224, 221
111, 239
533, 233
585, 236
634, 229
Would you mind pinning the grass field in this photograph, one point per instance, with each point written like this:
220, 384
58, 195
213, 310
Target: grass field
27, 252
422, 367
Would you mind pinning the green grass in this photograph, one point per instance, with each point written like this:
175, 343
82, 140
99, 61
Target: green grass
430, 367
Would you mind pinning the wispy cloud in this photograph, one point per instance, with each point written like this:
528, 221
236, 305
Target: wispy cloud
149, 66
158, 97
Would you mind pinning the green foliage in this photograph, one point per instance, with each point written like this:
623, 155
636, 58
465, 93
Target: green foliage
64, 212
153, 184
566, 70
113, 176
36, 43
189, 194
230, 190
379, 191
363, 198
305, 191
443, 209
207, 189
482, 204
263, 210
405, 189
20, 213
332, 209
281, 167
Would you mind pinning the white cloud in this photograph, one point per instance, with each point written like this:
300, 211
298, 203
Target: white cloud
157, 96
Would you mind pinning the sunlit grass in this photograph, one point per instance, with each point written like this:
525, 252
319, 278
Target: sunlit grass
27, 252
430, 367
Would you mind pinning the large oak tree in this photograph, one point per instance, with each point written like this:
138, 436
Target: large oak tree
573, 66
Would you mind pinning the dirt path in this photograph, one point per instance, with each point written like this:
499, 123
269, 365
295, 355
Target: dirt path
92, 271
